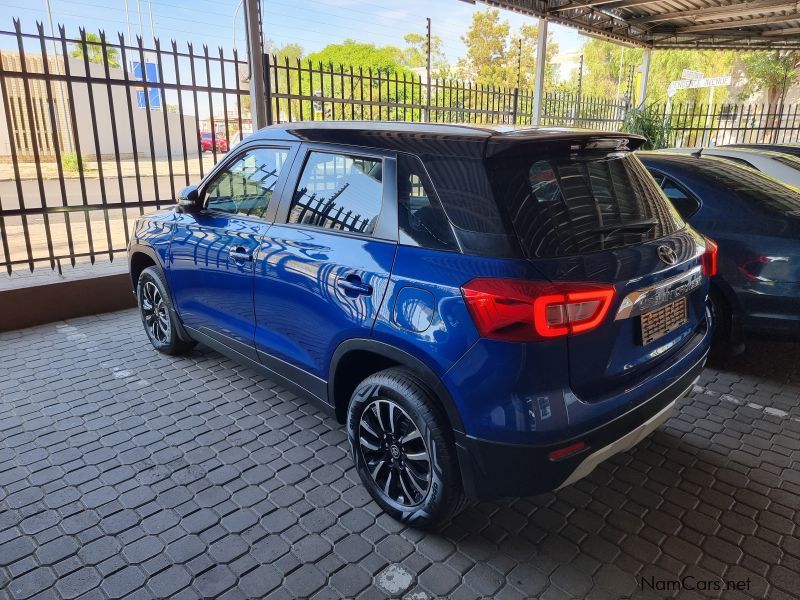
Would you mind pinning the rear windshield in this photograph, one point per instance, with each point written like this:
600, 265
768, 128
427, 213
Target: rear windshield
571, 205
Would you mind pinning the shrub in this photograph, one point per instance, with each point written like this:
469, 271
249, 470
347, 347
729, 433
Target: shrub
70, 163
650, 123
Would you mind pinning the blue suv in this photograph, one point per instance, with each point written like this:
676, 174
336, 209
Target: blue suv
490, 312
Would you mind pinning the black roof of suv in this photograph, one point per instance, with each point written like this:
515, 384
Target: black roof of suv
478, 172
435, 138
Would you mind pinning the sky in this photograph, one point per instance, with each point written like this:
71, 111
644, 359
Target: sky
311, 23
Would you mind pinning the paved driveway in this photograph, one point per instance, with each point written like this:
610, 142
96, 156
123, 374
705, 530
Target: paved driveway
124, 473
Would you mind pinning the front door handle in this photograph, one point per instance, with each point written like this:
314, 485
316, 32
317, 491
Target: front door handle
353, 286
240, 254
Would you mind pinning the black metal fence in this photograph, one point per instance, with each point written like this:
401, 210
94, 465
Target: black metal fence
692, 124
100, 131
300, 90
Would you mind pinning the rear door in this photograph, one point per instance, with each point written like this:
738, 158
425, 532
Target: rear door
601, 218
322, 270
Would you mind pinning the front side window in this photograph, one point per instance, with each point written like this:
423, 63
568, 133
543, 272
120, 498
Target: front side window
339, 191
245, 187
421, 220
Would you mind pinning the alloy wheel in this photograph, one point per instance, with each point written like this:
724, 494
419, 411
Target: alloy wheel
394, 452
155, 313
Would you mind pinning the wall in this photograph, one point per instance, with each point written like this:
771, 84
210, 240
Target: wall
103, 122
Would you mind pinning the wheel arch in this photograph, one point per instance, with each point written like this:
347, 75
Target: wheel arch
356, 359
727, 295
139, 258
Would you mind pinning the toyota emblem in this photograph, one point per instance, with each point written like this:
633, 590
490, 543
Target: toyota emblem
667, 255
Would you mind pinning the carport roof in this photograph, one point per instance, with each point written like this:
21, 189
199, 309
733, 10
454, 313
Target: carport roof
693, 24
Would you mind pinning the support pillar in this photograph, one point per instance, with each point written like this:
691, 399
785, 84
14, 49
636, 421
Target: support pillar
541, 59
258, 99
645, 76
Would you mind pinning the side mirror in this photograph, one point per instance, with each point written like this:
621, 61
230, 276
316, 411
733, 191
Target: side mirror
189, 198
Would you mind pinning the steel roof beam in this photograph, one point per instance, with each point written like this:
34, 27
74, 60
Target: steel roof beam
782, 32
734, 24
604, 4
721, 12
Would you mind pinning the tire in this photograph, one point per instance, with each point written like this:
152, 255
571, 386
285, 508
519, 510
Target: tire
403, 448
156, 310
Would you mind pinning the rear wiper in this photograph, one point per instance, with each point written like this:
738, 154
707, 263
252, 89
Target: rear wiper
643, 226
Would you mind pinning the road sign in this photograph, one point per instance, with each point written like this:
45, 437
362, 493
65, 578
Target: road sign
154, 95
686, 84
690, 74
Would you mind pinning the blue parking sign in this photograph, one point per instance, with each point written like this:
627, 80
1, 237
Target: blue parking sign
151, 70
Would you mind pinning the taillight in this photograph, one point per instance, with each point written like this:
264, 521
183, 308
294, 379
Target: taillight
522, 311
709, 258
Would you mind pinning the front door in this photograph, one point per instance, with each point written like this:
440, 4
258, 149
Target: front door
212, 250
322, 269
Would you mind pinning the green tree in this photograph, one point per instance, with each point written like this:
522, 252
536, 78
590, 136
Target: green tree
290, 51
493, 53
607, 68
668, 65
772, 71
524, 70
326, 75
415, 54
384, 59
602, 62
93, 48
486, 40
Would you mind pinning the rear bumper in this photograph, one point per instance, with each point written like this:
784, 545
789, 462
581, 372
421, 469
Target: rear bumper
780, 325
490, 469
770, 308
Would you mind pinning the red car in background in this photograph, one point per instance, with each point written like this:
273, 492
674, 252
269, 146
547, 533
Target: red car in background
207, 142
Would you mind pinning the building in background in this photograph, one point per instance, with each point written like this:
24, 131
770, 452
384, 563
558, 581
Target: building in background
566, 66
32, 128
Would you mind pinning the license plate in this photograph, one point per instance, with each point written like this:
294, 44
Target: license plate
658, 323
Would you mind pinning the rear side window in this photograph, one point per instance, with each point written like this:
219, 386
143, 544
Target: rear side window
580, 204
245, 186
339, 191
684, 203
421, 220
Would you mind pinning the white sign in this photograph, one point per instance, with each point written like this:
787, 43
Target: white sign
686, 84
689, 74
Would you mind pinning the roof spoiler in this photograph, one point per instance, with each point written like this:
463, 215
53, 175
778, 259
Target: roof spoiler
565, 143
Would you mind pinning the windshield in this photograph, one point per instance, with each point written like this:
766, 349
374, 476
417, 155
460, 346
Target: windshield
571, 205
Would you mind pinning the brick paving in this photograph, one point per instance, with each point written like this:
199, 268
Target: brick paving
127, 474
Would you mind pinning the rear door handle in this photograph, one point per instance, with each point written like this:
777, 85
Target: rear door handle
353, 286
240, 254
